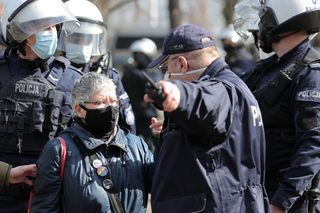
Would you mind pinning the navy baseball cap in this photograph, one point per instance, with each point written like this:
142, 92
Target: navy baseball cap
182, 39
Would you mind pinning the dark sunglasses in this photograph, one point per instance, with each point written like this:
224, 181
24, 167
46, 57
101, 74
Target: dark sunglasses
163, 67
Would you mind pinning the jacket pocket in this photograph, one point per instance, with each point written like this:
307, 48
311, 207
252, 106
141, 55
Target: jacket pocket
37, 117
192, 203
249, 199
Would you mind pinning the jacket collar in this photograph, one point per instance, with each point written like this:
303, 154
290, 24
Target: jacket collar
215, 67
288, 58
92, 142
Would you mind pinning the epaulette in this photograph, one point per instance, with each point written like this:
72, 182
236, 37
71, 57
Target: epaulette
114, 70
63, 61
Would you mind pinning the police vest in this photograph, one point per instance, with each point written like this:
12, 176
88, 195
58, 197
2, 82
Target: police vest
30, 109
279, 132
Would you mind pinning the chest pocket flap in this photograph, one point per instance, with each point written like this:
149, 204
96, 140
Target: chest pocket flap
191, 203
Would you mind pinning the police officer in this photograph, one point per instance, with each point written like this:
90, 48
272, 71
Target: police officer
91, 40
17, 174
34, 87
244, 29
288, 95
143, 51
239, 60
212, 150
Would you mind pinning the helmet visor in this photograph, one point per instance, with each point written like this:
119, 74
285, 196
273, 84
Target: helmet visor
241, 27
38, 16
249, 10
93, 33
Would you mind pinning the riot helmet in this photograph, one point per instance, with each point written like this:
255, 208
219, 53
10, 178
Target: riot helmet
230, 39
2, 2
244, 28
90, 39
241, 26
277, 17
143, 52
22, 18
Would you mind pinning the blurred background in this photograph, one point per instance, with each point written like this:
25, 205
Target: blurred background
129, 20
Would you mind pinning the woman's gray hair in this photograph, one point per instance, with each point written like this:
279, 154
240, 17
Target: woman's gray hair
85, 86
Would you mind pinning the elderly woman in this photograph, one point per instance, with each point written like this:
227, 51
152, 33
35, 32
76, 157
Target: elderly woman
103, 164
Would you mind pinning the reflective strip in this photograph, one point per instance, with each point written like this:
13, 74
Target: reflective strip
124, 96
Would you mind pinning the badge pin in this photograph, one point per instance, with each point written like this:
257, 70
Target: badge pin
96, 163
102, 171
107, 184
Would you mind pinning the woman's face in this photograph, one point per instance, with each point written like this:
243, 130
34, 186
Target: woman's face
95, 101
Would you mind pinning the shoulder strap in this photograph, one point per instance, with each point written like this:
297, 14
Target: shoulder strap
63, 161
63, 61
105, 179
60, 64
63, 155
294, 69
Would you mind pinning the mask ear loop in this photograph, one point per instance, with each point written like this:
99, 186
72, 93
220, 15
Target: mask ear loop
177, 74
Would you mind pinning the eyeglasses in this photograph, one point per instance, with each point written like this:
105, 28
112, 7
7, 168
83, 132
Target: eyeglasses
163, 67
105, 103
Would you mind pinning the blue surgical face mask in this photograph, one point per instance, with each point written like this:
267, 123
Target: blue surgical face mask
168, 75
79, 54
46, 43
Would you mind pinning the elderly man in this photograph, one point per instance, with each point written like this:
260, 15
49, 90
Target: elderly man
212, 150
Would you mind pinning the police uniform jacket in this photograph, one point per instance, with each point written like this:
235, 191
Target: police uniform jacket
212, 155
130, 164
300, 104
32, 144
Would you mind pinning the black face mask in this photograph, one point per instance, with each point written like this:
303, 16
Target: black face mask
102, 121
142, 60
229, 48
267, 38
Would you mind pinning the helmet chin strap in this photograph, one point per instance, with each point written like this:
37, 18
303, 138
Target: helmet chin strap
21, 48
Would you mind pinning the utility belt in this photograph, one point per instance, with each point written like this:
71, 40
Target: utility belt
19, 190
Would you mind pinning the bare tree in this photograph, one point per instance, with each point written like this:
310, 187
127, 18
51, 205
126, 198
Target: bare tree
229, 10
108, 6
175, 14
